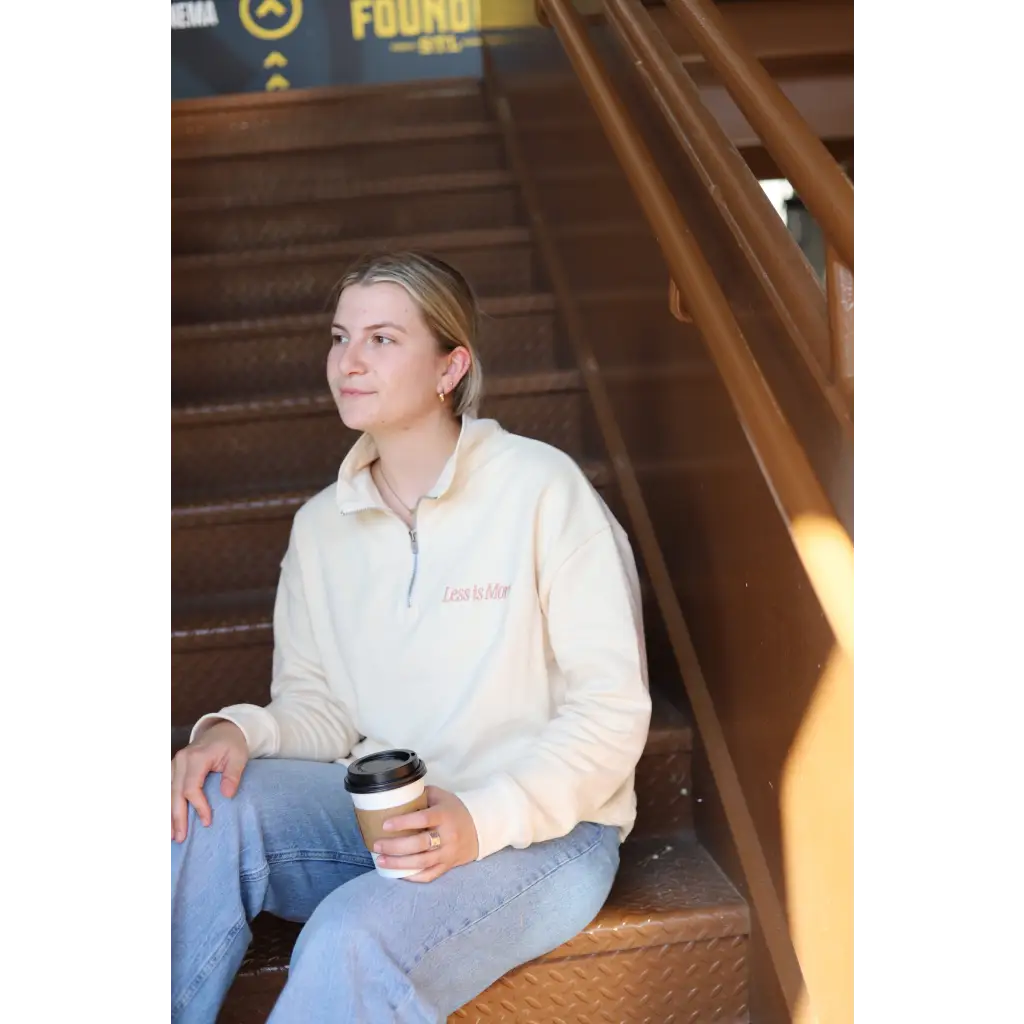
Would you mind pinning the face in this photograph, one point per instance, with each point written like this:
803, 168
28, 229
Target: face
385, 368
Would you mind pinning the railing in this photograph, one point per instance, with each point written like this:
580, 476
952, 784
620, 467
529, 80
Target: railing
822, 544
799, 153
777, 261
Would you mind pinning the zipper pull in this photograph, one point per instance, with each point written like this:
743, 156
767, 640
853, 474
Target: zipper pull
414, 542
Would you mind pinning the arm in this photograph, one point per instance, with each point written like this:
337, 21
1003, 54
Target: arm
590, 748
305, 719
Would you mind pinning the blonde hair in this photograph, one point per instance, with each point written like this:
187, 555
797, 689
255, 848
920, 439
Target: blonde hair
445, 300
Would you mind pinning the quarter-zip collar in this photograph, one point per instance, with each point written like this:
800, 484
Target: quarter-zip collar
356, 491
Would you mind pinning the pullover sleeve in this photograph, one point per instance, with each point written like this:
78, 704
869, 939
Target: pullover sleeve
588, 751
304, 719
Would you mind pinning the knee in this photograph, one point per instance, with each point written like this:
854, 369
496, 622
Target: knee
340, 931
224, 810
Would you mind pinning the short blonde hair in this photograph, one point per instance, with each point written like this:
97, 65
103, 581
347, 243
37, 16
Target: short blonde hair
445, 300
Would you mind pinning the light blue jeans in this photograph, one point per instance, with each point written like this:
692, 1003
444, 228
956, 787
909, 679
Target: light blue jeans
373, 950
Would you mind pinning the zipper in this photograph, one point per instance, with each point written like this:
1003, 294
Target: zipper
414, 541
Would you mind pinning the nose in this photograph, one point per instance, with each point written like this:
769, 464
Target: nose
349, 359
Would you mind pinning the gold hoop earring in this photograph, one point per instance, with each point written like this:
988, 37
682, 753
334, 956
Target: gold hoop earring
440, 395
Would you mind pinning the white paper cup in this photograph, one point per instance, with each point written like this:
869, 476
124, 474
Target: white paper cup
367, 803
384, 786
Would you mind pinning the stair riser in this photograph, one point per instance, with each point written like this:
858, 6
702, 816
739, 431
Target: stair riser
287, 126
313, 174
703, 982
211, 293
265, 227
305, 451
240, 367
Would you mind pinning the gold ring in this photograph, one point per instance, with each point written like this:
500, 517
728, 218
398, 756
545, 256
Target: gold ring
435, 839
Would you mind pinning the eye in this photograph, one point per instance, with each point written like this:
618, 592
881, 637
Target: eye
383, 339
339, 339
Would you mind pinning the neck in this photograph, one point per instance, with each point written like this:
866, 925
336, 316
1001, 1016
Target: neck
412, 458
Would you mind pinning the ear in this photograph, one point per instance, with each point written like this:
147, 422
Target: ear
459, 362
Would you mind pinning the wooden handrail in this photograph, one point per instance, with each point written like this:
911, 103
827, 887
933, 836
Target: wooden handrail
777, 260
839, 282
800, 154
823, 546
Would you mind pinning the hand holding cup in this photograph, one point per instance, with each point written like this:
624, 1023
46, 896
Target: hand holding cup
444, 837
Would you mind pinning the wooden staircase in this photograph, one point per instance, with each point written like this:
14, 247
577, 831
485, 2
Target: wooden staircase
272, 196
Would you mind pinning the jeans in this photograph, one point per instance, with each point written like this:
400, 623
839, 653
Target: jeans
373, 950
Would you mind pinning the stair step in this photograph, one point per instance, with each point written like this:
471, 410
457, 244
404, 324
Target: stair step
298, 442
670, 944
300, 279
488, 199
338, 159
231, 361
272, 124
237, 545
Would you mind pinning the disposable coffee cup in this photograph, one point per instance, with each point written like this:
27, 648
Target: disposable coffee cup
384, 786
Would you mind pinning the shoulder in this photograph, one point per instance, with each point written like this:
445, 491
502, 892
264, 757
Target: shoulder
543, 464
319, 512
567, 506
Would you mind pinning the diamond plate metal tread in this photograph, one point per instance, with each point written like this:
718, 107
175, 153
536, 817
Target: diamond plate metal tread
229, 512
476, 206
284, 407
329, 137
439, 241
379, 188
265, 124
669, 946
300, 279
236, 544
491, 305
322, 170
518, 334
295, 442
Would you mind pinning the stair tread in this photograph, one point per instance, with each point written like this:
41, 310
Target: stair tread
218, 330
320, 96
405, 185
210, 511
383, 135
441, 241
665, 892
314, 402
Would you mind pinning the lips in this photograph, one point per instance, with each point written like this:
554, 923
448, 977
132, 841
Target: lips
350, 393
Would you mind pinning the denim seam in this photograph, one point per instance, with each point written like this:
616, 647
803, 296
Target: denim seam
501, 906
211, 961
329, 856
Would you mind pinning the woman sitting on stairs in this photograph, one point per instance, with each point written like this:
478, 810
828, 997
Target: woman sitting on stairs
463, 592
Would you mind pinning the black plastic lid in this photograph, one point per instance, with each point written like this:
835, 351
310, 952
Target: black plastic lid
389, 769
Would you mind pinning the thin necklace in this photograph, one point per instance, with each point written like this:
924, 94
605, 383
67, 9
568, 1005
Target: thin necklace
394, 493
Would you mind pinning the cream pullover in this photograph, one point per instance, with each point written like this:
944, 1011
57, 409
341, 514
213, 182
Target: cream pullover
501, 638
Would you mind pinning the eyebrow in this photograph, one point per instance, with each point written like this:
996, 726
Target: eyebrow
375, 327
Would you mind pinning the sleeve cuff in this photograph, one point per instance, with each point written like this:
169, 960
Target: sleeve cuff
498, 814
257, 724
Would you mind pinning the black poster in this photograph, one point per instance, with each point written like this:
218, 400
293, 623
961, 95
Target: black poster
235, 46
